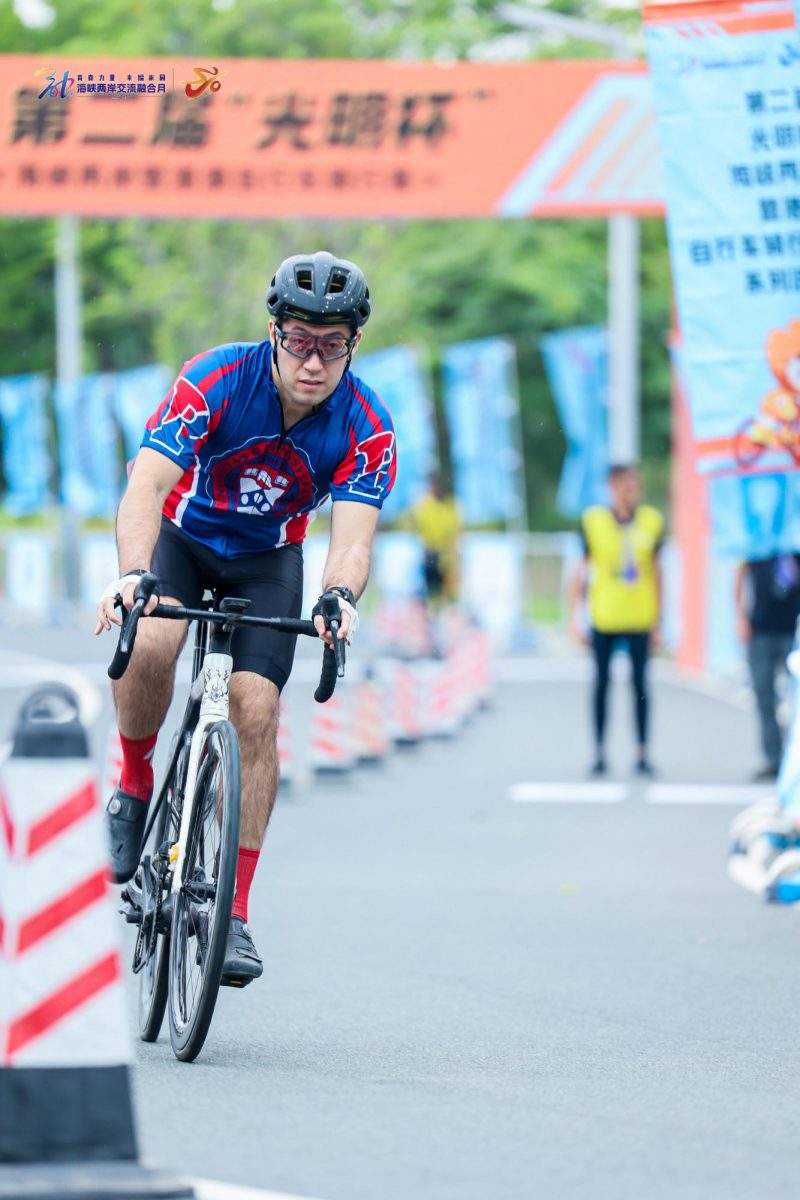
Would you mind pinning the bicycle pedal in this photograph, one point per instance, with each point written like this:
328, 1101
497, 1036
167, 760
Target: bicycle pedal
234, 981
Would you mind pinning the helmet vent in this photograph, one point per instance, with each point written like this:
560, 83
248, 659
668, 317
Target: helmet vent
338, 282
304, 279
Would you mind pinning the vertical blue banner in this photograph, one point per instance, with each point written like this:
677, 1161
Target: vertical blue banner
136, 394
396, 375
725, 85
87, 445
482, 410
576, 363
26, 455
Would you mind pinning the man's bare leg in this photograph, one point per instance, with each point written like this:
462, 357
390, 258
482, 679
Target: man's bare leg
144, 693
142, 699
255, 704
254, 711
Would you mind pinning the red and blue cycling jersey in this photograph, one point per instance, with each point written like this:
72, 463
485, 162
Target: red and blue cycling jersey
247, 484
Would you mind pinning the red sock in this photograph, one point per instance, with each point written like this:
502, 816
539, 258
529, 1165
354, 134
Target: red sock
137, 766
245, 870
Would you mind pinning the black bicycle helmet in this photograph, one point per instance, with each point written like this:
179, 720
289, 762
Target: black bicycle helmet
319, 288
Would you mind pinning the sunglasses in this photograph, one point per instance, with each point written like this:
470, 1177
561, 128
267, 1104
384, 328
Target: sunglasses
329, 346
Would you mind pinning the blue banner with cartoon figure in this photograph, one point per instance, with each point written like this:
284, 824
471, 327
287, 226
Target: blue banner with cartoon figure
26, 454
576, 363
482, 409
725, 86
87, 445
396, 374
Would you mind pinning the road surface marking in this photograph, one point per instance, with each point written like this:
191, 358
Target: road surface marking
706, 793
567, 793
212, 1189
581, 792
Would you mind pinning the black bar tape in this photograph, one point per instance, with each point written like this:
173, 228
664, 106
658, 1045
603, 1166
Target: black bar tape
327, 680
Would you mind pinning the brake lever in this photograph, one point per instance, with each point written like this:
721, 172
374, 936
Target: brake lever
338, 647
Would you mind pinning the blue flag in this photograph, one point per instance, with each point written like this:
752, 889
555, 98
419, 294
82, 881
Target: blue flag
136, 394
26, 456
87, 445
398, 378
576, 362
482, 408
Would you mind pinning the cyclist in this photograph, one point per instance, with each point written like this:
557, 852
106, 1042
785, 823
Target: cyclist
622, 571
249, 442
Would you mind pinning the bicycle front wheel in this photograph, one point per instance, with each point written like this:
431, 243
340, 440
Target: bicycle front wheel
202, 911
154, 977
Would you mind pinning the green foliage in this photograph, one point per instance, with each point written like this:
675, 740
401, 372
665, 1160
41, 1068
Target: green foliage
164, 290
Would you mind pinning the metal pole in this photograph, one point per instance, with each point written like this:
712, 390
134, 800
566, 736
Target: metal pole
623, 249
68, 365
623, 332
68, 301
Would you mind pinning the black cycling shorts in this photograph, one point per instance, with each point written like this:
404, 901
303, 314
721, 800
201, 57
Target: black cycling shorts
272, 582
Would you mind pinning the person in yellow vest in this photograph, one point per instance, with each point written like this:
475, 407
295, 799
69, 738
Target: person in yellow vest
436, 520
621, 572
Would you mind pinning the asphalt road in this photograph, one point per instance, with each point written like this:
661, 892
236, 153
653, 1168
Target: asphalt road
467, 997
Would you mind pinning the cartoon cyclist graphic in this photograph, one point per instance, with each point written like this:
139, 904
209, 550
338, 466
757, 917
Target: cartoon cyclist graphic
777, 425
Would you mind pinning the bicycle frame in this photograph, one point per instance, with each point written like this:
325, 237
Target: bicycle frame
210, 690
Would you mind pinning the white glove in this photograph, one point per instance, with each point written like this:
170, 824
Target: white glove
346, 606
115, 589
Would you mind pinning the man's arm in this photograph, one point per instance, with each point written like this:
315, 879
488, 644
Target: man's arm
347, 565
139, 514
576, 593
740, 592
138, 521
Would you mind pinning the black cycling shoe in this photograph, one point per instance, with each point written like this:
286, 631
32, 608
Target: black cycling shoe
126, 819
242, 963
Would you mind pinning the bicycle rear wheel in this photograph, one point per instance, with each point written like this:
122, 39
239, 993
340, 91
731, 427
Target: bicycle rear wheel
202, 912
154, 976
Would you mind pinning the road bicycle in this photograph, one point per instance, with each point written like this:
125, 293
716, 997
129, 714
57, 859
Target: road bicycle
181, 895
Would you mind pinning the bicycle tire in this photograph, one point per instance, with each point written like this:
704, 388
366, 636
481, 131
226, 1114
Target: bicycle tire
216, 807
154, 976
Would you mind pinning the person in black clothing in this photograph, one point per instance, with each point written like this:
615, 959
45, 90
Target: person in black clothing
768, 605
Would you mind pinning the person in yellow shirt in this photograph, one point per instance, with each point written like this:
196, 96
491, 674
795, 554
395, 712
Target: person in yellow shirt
436, 520
621, 572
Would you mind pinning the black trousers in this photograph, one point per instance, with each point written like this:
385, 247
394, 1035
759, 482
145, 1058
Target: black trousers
766, 655
638, 645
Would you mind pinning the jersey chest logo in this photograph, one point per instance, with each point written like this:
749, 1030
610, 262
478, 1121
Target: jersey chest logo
264, 477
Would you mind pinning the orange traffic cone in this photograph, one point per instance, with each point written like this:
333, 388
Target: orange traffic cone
406, 724
331, 749
369, 726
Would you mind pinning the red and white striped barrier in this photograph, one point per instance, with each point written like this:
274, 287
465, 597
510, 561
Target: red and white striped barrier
370, 728
442, 715
64, 1047
406, 719
331, 747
